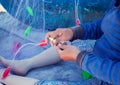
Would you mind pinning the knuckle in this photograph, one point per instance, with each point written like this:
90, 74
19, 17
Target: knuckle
58, 29
49, 33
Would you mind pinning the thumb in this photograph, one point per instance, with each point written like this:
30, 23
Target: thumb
62, 46
59, 51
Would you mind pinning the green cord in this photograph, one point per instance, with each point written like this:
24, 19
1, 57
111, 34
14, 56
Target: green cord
30, 11
27, 31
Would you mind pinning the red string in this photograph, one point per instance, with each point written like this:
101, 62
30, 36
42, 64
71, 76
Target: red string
6, 72
42, 43
77, 21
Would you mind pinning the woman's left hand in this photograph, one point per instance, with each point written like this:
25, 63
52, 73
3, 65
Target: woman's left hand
68, 52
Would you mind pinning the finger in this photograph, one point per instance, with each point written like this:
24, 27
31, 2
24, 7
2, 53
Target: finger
62, 38
52, 35
59, 51
63, 47
57, 34
51, 43
47, 36
55, 43
63, 42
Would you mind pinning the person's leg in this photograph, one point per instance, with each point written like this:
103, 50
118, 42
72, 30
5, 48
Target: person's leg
47, 57
17, 80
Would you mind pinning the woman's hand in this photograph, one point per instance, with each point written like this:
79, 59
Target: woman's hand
67, 52
60, 34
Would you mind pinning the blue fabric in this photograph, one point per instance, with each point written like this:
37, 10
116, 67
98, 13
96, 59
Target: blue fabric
92, 30
63, 71
103, 61
57, 82
54, 9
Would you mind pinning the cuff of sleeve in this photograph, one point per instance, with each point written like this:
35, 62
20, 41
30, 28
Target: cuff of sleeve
80, 57
77, 32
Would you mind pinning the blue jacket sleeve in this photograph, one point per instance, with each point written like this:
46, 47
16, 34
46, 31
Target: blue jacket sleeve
91, 30
101, 67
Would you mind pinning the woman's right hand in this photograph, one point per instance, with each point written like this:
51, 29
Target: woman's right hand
60, 34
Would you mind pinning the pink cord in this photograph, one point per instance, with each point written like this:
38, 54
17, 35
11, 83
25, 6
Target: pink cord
16, 46
42, 43
6, 72
77, 21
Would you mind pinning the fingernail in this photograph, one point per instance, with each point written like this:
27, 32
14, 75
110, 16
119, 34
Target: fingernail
52, 45
59, 45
